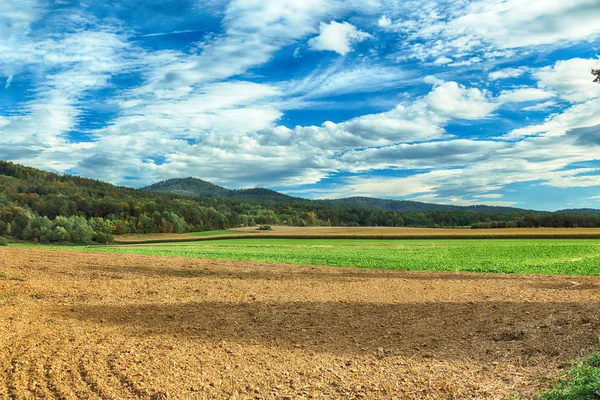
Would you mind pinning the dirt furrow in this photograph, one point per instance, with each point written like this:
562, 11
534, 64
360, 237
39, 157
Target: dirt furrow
109, 327
17, 374
90, 381
127, 383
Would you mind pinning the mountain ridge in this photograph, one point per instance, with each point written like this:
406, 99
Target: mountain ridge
207, 189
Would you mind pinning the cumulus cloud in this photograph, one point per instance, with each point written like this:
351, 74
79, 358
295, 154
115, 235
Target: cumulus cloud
490, 29
570, 79
337, 37
442, 61
514, 23
384, 22
456, 101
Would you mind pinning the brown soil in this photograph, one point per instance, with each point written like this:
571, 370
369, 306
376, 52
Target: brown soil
99, 326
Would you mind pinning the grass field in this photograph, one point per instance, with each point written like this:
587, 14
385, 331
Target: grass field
524, 256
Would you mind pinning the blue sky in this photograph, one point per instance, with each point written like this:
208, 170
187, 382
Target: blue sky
458, 102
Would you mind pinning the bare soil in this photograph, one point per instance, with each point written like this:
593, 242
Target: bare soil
99, 326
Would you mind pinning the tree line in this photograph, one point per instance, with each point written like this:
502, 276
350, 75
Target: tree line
47, 207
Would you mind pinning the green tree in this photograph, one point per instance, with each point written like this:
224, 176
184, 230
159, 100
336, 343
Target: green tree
596, 73
60, 234
82, 232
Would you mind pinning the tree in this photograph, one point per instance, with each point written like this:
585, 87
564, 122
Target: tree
596, 73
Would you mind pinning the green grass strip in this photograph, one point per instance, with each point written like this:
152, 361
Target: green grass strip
581, 383
522, 256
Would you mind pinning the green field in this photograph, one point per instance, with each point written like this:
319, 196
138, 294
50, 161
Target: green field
527, 256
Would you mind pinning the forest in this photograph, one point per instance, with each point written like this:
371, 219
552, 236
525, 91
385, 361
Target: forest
45, 207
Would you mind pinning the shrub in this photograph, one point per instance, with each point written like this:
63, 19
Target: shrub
3, 241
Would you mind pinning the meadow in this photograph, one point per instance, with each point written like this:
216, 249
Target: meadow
513, 256
520, 256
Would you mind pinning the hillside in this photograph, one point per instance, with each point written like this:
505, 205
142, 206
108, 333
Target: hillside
189, 187
193, 187
415, 206
41, 206
580, 211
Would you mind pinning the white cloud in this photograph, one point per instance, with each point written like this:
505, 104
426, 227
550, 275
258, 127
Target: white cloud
579, 116
489, 196
191, 113
254, 30
342, 78
541, 106
442, 61
514, 23
337, 37
384, 22
570, 79
456, 101
490, 29
16, 16
438, 154
524, 95
507, 73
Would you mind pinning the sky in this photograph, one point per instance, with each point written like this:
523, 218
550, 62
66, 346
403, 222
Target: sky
445, 101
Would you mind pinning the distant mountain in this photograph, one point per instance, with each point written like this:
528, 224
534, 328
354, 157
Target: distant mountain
189, 187
580, 211
193, 187
415, 206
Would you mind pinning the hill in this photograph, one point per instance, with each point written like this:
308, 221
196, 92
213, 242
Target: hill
193, 187
189, 187
42, 206
415, 206
580, 211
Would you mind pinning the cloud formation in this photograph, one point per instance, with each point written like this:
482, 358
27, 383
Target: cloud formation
337, 37
429, 100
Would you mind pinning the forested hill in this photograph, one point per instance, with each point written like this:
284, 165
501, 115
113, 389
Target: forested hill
580, 211
193, 187
42, 206
415, 206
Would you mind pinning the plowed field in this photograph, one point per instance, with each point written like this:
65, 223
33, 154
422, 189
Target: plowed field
101, 326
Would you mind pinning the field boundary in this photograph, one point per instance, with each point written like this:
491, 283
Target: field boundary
361, 237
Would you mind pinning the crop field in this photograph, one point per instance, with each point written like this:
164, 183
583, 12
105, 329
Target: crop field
265, 318
409, 231
526, 256
366, 233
